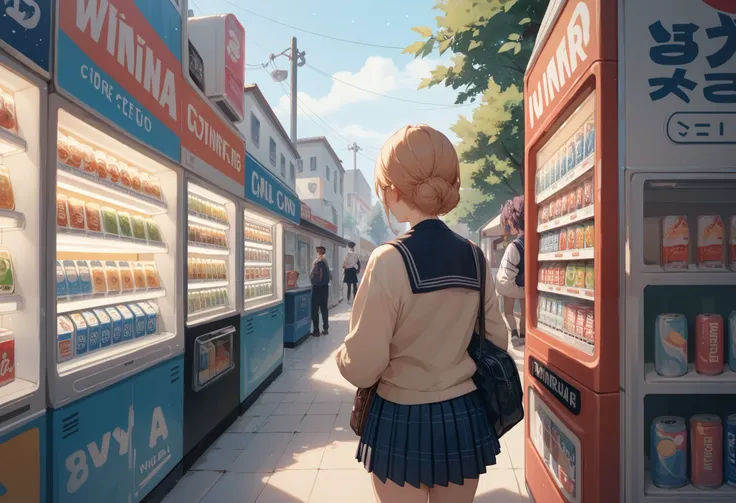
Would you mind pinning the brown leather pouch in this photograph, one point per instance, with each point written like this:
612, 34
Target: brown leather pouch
361, 408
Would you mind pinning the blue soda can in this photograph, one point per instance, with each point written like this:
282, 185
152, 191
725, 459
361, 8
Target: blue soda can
729, 450
571, 156
732, 341
579, 145
668, 452
670, 345
589, 136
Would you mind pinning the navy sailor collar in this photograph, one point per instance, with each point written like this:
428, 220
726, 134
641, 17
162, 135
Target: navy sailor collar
436, 258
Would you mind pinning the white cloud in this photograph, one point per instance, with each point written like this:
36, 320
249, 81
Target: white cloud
378, 75
359, 132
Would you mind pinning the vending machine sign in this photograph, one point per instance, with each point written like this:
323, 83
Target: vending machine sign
25, 27
110, 58
571, 47
563, 391
265, 189
235, 64
679, 84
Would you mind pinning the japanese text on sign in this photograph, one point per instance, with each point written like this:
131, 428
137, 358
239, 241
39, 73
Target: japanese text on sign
681, 44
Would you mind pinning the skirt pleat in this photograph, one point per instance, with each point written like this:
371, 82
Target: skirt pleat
428, 444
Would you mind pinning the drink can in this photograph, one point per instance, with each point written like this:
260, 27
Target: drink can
730, 447
670, 345
706, 445
732, 341
709, 359
668, 452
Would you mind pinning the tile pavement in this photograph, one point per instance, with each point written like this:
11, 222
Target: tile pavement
295, 444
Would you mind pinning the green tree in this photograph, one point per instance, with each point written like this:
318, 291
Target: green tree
492, 41
348, 221
376, 227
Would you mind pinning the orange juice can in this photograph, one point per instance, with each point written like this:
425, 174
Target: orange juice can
706, 458
709, 358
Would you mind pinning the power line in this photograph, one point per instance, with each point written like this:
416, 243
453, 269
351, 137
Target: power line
197, 7
445, 105
356, 42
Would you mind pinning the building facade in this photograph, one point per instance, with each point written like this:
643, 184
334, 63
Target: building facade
320, 180
267, 140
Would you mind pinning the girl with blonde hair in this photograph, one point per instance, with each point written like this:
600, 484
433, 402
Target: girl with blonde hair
427, 437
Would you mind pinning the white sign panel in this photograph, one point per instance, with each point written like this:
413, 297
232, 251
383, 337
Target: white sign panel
680, 84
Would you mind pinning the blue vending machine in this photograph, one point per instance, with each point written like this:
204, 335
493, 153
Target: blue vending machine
297, 327
24, 72
114, 331
269, 203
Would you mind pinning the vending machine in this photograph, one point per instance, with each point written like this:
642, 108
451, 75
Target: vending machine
23, 432
630, 375
269, 203
212, 354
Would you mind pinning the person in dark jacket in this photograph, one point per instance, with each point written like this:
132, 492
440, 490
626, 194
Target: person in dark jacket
320, 278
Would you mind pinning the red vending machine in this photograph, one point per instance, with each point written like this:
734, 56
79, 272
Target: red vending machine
630, 369
572, 354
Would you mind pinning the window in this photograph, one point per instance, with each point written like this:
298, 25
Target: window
300, 166
335, 184
312, 164
342, 179
334, 215
327, 173
272, 151
283, 166
255, 130
292, 174
303, 259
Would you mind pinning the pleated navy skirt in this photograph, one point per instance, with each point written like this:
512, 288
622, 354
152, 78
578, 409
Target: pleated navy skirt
432, 444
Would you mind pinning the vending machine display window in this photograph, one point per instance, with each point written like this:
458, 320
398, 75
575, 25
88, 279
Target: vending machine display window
20, 186
210, 259
564, 196
213, 356
115, 268
259, 283
557, 446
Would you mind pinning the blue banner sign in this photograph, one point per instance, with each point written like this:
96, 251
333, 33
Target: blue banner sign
25, 26
264, 189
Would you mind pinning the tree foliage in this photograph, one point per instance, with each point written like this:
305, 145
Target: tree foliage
376, 227
492, 41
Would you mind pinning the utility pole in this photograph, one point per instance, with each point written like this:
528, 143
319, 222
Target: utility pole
355, 148
294, 57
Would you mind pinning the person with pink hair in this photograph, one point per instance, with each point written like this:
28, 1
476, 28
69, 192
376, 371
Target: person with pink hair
427, 436
510, 275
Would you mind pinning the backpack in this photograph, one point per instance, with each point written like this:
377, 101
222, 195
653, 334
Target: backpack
320, 274
519, 244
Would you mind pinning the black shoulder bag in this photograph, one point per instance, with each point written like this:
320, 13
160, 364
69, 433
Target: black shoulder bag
496, 376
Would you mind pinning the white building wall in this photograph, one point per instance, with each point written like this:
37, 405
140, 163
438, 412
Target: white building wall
315, 189
258, 146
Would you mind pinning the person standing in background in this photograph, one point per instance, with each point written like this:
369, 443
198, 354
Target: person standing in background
351, 267
510, 276
320, 278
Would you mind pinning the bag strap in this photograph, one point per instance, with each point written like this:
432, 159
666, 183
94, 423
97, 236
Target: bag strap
480, 262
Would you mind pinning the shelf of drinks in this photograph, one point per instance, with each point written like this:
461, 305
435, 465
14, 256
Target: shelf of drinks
10, 304
105, 355
655, 275
691, 383
203, 249
578, 293
15, 390
578, 216
194, 218
257, 244
11, 143
79, 182
587, 347
689, 493
205, 284
11, 220
93, 301
250, 263
257, 281
209, 314
582, 254
73, 240
569, 178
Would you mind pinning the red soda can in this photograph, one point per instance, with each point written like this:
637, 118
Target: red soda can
7, 359
706, 452
709, 358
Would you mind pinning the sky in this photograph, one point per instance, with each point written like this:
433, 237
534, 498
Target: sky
332, 109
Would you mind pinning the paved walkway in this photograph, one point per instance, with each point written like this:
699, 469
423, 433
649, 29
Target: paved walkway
295, 444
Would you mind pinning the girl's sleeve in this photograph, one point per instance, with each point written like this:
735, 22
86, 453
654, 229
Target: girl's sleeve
496, 330
365, 354
507, 271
